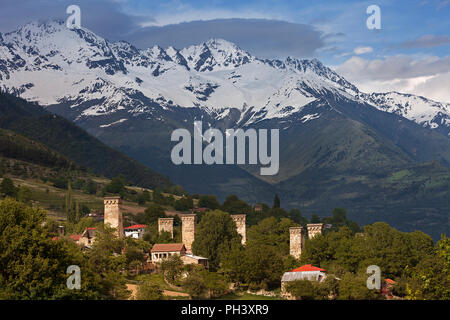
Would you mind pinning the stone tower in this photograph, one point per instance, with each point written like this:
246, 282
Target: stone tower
165, 224
239, 220
296, 241
314, 229
188, 222
113, 215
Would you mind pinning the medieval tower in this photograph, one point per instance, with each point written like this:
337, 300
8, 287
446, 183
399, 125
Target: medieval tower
314, 229
113, 215
296, 241
166, 224
239, 220
188, 222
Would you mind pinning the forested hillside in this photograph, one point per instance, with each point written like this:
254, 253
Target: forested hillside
72, 142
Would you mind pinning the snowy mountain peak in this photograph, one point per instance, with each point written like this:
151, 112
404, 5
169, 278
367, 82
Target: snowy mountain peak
215, 54
424, 111
51, 64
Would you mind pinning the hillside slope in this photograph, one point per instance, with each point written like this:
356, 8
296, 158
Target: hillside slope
73, 142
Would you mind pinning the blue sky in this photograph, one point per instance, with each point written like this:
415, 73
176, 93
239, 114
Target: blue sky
410, 53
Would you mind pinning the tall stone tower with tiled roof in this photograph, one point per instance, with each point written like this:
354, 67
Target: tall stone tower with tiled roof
165, 224
239, 220
314, 229
188, 226
113, 215
296, 241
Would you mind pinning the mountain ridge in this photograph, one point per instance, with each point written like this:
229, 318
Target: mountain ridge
216, 76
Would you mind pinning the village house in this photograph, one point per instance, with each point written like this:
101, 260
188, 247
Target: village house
193, 259
87, 237
161, 251
135, 231
386, 288
306, 272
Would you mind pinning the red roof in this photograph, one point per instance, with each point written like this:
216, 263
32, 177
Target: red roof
389, 281
75, 237
168, 247
93, 228
307, 267
137, 226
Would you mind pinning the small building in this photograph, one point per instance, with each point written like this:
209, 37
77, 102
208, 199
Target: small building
306, 272
135, 231
161, 251
198, 210
87, 237
193, 259
386, 288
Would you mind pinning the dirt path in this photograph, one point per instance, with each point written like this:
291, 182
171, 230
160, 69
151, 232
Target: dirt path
175, 294
167, 293
133, 289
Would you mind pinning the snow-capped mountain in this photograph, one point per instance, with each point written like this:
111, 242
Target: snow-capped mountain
423, 111
48, 63
379, 155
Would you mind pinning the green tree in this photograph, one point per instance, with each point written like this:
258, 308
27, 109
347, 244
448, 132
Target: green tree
315, 218
151, 214
215, 233
430, 279
7, 188
276, 202
195, 286
90, 187
149, 291
172, 268
354, 287
271, 232
296, 216
302, 289
105, 256
33, 266
256, 266
184, 204
234, 205
117, 185
264, 266
339, 219
24, 195
143, 197
215, 283
209, 202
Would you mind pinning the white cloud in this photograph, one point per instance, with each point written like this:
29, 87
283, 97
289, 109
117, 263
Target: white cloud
190, 15
362, 50
261, 37
428, 77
